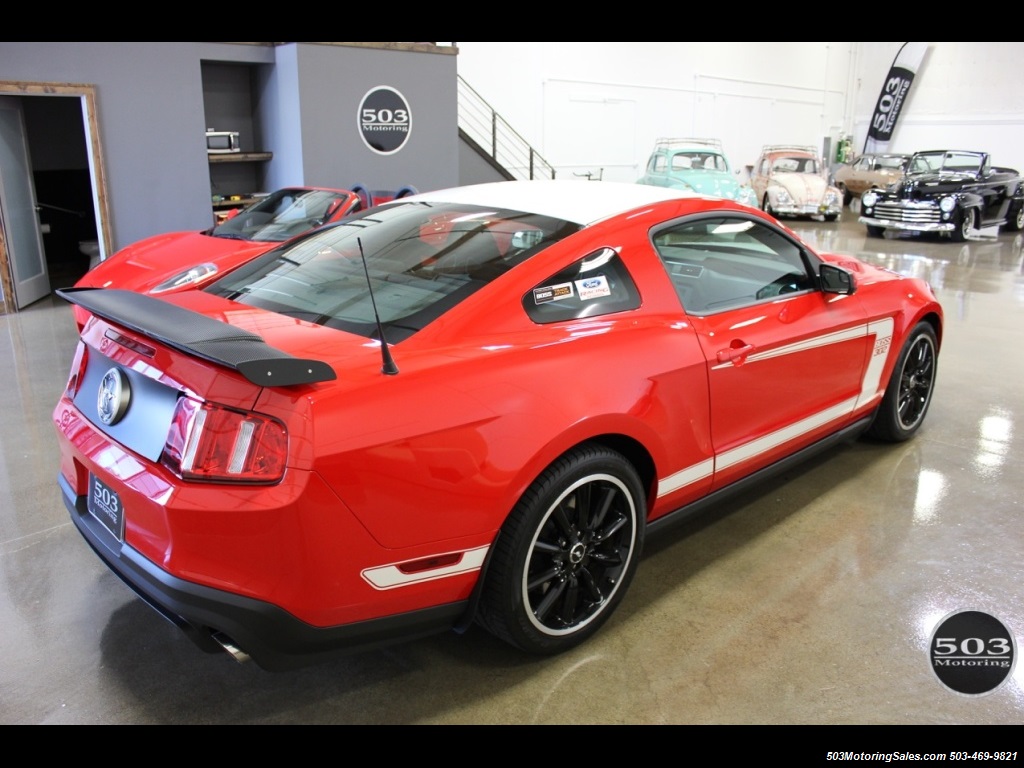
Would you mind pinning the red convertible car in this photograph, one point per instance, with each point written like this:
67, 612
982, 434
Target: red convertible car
180, 260
467, 406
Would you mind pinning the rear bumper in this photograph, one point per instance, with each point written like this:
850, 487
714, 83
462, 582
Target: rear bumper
218, 621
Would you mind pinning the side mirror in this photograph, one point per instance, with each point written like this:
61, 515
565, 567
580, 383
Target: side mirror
836, 280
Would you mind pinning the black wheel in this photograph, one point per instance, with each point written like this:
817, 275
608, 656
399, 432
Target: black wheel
909, 393
874, 231
567, 553
1016, 220
966, 225
847, 195
766, 206
831, 216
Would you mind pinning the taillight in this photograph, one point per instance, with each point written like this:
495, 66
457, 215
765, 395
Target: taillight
77, 371
210, 443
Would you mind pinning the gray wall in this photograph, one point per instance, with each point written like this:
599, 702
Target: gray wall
151, 118
474, 169
332, 83
150, 122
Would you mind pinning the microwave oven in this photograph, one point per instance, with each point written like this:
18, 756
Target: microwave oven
221, 141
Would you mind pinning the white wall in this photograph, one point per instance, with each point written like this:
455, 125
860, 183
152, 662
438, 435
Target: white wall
587, 106
965, 96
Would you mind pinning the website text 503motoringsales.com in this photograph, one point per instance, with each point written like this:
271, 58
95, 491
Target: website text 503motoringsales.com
888, 757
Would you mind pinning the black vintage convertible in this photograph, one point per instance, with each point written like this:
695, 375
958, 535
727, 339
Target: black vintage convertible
956, 194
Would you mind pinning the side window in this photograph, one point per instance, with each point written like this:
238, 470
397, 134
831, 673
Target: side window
658, 164
597, 284
724, 262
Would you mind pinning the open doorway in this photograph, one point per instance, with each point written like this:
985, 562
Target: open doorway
64, 158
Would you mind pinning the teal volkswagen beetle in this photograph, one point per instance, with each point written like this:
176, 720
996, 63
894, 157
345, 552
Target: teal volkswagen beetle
698, 165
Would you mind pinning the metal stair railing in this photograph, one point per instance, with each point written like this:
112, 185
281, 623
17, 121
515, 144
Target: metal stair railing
497, 139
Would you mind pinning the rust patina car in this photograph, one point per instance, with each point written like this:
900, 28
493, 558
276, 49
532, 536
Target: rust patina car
870, 171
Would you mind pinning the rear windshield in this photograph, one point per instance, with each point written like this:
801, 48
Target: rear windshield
420, 259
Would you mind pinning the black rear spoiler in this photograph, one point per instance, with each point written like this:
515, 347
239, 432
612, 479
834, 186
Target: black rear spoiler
201, 336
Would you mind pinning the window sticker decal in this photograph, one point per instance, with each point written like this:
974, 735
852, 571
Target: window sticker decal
595, 287
553, 293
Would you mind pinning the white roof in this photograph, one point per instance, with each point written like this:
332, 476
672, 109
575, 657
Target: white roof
578, 201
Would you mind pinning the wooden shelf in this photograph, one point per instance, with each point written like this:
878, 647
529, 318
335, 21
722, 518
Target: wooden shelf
240, 157
242, 203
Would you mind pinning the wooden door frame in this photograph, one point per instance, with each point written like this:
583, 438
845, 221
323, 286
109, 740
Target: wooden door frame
88, 95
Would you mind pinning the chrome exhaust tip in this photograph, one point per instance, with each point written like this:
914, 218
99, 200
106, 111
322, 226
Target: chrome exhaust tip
228, 645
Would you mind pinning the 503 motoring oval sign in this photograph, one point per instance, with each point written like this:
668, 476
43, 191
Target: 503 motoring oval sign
385, 120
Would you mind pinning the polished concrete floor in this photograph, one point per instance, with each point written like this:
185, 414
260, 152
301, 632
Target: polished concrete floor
811, 601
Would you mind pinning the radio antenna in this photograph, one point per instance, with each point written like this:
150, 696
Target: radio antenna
389, 366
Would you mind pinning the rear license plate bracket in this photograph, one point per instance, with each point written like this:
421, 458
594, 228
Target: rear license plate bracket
105, 505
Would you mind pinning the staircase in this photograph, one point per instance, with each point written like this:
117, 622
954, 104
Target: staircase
487, 133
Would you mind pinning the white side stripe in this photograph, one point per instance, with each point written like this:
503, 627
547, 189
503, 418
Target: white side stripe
770, 441
872, 384
871, 388
803, 346
391, 576
819, 341
685, 477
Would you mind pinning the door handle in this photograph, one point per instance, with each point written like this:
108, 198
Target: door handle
734, 353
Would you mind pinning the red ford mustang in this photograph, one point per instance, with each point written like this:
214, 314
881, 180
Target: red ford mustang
470, 405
